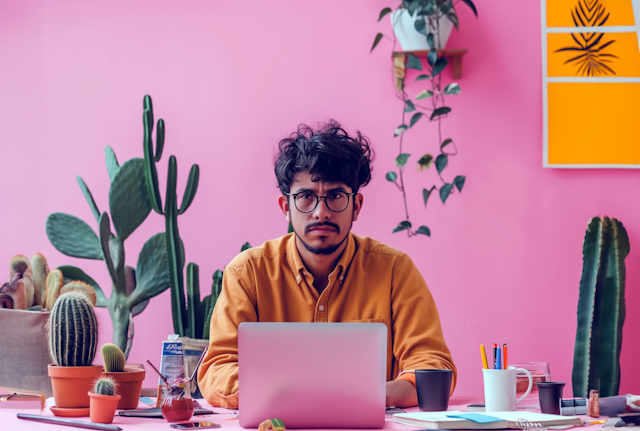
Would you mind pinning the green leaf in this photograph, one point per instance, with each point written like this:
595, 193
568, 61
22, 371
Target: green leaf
421, 26
441, 63
440, 111
89, 197
432, 57
401, 160
391, 176
472, 6
105, 238
441, 162
193, 300
400, 130
245, 246
129, 198
426, 193
425, 94
424, 231
150, 171
403, 225
112, 162
415, 118
445, 191
454, 19
152, 270
423, 77
383, 12
459, 182
409, 106
445, 143
413, 62
430, 41
73, 273
425, 162
376, 41
192, 188
452, 88
72, 236
159, 140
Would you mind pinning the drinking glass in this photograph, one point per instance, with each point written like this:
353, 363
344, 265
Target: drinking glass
540, 373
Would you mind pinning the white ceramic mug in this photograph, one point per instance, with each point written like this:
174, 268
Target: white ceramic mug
500, 389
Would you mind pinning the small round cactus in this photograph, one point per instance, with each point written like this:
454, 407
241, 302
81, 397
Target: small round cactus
105, 386
113, 358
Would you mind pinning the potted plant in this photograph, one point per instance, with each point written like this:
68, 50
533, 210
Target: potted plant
73, 341
129, 380
104, 401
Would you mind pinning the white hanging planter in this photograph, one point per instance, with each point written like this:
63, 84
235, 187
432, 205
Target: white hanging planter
410, 39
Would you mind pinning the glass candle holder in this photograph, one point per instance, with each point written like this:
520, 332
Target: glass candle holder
178, 405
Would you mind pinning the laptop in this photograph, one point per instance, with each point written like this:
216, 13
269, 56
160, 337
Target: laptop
312, 375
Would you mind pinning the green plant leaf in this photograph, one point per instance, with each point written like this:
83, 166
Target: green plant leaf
391, 176
472, 6
415, 118
105, 237
439, 66
401, 160
192, 188
423, 230
112, 162
193, 300
454, 19
159, 140
445, 191
459, 182
376, 41
423, 77
150, 171
73, 273
400, 130
413, 62
89, 197
441, 162
129, 198
403, 225
430, 41
426, 193
425, 162
424, 94
421, 26
72, 236
432, 57
409, 107
440, 111
452, 88
152, 270
245, 246
445, 143
383, 12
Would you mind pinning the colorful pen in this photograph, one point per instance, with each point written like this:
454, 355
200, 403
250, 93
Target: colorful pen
504, 352
498, 360
495, 347
483, 353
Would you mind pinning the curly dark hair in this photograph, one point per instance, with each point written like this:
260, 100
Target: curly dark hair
329, 154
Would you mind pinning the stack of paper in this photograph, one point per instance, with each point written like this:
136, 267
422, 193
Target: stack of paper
493, 420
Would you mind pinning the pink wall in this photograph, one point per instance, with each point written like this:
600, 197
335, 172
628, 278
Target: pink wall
232, 78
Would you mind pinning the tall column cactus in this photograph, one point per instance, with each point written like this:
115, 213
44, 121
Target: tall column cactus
73, 331
601, 309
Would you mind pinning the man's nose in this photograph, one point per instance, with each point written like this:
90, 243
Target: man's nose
322, 211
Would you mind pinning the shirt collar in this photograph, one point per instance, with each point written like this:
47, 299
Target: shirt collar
298, 268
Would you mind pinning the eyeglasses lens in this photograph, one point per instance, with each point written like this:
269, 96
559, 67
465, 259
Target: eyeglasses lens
336, 201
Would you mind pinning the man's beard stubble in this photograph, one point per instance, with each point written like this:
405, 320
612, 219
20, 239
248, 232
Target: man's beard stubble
328, 249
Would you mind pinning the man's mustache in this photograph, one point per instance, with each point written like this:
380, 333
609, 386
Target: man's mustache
326, 223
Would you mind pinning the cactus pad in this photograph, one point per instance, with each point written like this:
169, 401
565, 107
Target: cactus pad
79, 286
105, 386
53, 284
73, 331
113, 358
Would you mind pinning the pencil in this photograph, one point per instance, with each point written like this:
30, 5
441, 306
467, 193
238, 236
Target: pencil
68, 422
495, 359
504, 352
498, 359
483, 353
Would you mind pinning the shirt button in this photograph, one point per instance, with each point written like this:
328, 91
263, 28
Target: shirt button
298, 278
321, 307
341, 277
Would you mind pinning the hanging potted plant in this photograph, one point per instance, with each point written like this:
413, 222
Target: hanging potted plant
104, 401
129, 380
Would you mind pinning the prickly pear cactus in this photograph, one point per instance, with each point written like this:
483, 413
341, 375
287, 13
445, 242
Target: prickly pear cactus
112, 358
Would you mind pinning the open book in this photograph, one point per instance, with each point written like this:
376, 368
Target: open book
440, 420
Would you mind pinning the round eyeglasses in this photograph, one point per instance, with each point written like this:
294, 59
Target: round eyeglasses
307, 201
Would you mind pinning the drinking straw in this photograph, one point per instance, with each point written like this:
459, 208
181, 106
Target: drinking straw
195, 370
158, 372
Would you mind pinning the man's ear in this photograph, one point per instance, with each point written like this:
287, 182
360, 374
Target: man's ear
358, 199
283, 202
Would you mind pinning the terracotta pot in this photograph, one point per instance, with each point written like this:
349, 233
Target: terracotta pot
103, 407
129, 384
71, 384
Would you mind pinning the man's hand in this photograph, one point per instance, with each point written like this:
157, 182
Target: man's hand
401, 393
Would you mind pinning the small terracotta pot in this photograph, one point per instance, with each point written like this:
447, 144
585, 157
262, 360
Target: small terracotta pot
103, 407
129, 384
71, 384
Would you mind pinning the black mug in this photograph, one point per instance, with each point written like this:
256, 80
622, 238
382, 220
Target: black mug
434, 387
550, 394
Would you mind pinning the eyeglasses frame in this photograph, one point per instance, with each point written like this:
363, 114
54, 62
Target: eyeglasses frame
295, 195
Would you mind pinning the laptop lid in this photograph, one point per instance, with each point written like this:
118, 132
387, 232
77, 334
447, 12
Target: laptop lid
312, 375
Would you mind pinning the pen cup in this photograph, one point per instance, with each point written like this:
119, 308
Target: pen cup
500, 389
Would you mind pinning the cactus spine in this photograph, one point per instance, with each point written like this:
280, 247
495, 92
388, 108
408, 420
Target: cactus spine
113, 358
601, 309
105, 386
73, 331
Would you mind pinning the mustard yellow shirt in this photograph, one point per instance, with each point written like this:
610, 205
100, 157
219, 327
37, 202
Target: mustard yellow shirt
372, 282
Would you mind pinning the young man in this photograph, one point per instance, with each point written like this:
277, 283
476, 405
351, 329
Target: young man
324, 273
